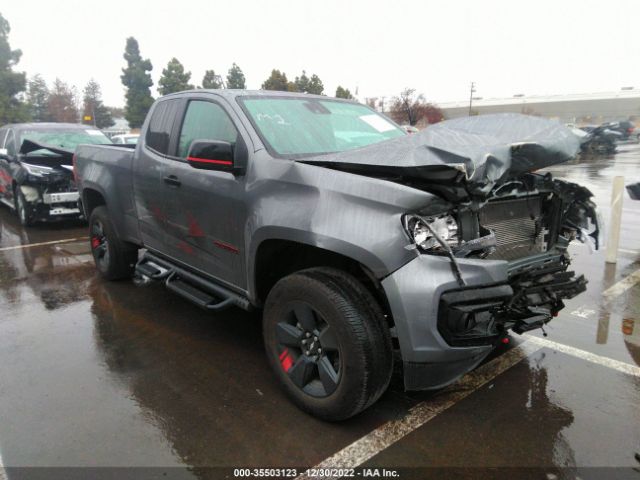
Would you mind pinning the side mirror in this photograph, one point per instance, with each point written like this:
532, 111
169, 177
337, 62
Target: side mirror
218, 155
4, 154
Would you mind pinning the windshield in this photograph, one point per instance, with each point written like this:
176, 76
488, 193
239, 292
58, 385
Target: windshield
64, 138
300, 126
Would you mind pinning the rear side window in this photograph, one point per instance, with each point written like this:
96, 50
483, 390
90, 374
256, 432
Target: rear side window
160, 125
205, 121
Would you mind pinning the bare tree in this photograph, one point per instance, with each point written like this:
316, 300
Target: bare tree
63, 102
411, 108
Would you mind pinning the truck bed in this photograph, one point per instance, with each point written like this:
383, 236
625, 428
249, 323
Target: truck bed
106, 172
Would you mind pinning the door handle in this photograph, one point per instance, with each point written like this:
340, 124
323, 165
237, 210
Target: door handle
172, 180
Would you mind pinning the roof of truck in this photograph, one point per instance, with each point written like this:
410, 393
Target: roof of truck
233, 93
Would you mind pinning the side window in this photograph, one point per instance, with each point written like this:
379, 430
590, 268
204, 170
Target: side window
3, 134
10, 144
205, 121
160, 125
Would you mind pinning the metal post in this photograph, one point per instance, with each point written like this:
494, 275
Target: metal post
472, 90
616, 220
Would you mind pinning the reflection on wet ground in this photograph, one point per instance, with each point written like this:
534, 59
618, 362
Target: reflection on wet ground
108, 374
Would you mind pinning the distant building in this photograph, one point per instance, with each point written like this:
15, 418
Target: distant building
581, 109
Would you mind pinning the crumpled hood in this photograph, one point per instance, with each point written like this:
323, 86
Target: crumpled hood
62, 158
479, 152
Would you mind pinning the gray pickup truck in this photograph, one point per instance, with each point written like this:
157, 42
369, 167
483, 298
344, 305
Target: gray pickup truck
361, 244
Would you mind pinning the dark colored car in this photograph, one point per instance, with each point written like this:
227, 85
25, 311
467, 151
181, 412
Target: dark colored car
625, 128
36, 178
356, 239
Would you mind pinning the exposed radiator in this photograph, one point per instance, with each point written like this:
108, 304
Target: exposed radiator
516, 226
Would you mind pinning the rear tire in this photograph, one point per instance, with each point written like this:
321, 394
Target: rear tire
114, 258
346, 363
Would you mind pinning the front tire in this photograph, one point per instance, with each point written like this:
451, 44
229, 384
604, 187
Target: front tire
114, 258
23, 209
327, 342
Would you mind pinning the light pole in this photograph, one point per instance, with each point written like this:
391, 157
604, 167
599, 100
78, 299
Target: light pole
472, 91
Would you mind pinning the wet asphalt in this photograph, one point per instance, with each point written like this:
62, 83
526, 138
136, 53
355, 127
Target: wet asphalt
98, 374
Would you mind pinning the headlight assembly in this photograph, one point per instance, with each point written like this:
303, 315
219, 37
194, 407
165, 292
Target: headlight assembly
37, 170
428, 233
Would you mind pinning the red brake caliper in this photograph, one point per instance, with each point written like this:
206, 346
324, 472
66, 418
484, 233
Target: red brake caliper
95, 242
285, 360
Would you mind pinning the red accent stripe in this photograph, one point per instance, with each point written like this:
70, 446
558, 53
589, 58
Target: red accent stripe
226, 246
206, 160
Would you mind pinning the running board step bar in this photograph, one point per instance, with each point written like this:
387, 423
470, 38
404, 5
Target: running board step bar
195, 295
203, 292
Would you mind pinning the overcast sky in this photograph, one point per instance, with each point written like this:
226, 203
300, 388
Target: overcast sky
379, 47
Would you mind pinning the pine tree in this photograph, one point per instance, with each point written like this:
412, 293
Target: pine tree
235, 78
302, 82
174, 78
94, 108
211, 80
343, 93
137, 80
315, 85
278, 81
63, 103
12, 84
38, 99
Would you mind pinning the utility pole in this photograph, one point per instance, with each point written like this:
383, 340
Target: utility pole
472, 91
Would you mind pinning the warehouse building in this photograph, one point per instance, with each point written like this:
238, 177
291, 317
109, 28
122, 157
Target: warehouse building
580, 109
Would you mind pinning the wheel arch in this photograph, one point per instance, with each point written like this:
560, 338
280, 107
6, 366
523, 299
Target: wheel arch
276, 258
92, 198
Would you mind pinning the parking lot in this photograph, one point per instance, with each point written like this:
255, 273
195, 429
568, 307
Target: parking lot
98, 374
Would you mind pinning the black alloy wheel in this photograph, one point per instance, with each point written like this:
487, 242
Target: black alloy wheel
99, 245
327, 342
114, 258
309, 351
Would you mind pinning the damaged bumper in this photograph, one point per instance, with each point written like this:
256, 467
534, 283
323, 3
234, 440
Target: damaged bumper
444, 330
45, 203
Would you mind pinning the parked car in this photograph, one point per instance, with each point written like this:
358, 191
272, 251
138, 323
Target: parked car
625, 128
36, 168
600, 140
354, 238
126, 139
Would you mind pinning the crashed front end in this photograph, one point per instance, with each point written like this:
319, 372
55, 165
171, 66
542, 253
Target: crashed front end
527, 223
491, 244
46, 182
49, 193
483, 269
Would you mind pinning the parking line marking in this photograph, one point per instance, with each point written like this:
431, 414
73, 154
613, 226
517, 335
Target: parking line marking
622, 286
387, 434
623, 367
53, 242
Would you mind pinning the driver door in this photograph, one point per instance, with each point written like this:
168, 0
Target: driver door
206, 209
